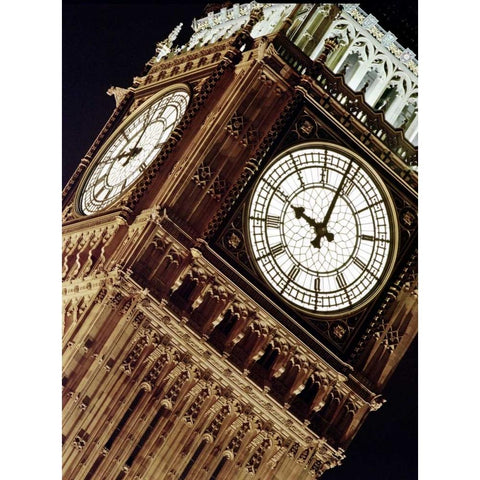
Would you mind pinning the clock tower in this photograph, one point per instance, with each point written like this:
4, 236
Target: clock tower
240, 250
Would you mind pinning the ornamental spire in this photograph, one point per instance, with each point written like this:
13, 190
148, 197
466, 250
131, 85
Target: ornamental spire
165, 47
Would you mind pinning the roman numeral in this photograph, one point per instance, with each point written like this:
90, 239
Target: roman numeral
347, 187
280, 194
142, 167
277, 249
316, 284
300, 178
274, 251
341, 280
324, 175
359, 263
369, 206
348, 183
100, 186
292, 274
272, 221
370, 238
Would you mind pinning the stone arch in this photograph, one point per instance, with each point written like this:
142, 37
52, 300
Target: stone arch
230, 324
309, 399
346, 419
189, 288
345, 34
251, 344
210, 306
291, 380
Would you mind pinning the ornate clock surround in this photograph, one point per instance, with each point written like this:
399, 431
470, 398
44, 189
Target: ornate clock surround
129, 120
341, 333
329, 274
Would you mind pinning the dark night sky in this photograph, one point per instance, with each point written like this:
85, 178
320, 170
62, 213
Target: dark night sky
108, 44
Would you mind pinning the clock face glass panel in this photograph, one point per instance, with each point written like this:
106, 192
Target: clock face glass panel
132, 150
321, 231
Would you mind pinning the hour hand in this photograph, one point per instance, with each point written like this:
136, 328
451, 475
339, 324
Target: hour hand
321, 231
300, 213
127, 154
320, 227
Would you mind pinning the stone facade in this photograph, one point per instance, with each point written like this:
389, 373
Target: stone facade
177, 364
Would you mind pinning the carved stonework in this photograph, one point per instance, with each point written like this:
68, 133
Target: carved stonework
118, 93
408, 218
179, 361
338, 331
218, 188
196, 103
306, 127
250, 138
203, 175
235, 125
248, 172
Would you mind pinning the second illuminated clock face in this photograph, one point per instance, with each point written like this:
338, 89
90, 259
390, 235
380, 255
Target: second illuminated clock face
132, 150
320, 229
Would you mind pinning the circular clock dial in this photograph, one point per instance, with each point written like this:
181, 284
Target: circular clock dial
321, 229
132, 150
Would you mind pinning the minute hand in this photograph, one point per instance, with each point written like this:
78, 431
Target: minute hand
337, 193
136, 149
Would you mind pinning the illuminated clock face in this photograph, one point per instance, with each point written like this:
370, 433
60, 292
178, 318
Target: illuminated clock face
132, 149
322, 229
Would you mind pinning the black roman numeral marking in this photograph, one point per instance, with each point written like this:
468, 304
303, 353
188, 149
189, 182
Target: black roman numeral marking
348, 183
324, 175
277, 249
369, 206
300, 178
272, 221
370, 238
359, 263
280, 194
292, 274
347, 187
341, 280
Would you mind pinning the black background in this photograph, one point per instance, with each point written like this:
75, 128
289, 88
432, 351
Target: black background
105, 44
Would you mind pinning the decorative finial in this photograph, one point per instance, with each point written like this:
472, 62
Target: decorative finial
165, 47
330, 45
173, 36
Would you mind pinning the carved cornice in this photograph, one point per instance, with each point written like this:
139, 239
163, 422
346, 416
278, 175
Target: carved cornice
191, 55
228, 378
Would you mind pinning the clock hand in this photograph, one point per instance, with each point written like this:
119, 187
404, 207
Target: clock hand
320, 227
125, 154
300, 213
321, 231
136, 149
133, 151
337, 193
